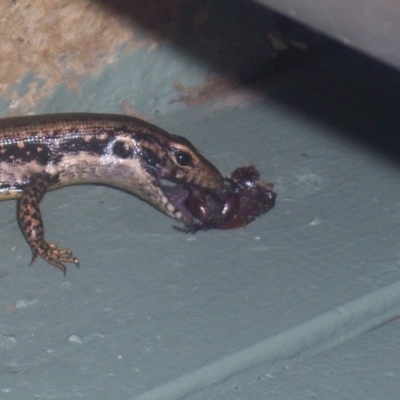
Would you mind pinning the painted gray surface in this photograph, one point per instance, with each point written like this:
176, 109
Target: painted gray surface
370, 26
143, 78
151, 310
363, 368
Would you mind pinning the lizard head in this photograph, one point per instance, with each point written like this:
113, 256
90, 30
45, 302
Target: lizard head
177, 160
158, 167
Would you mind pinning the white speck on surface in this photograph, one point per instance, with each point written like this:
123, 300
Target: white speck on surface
24, 303
7, 341
309, 182
315, 221
346, 40
14, 104
66, 283
75, 339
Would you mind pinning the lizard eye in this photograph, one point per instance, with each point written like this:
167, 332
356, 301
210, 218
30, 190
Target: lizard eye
183, 158
122, 149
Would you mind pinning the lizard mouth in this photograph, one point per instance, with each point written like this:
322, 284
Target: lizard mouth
171, 196
177, 195
241, 198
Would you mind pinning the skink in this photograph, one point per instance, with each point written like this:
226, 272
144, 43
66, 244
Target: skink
46, 152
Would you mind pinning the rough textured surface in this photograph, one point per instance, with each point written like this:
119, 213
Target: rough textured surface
47, 44
71, 45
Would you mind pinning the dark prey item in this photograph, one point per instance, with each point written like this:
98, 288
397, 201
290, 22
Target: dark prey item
243, 198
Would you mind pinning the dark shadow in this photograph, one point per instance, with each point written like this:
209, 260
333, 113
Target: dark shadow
353, 93
234, 36
349, 91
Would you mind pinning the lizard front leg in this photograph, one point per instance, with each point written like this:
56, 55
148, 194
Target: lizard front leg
31, 224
